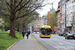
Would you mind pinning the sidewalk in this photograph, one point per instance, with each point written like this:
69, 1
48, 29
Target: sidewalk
27, 44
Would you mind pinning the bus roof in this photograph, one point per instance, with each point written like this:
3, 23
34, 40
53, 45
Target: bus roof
45, 26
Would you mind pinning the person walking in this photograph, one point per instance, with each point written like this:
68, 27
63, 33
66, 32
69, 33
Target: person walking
28, 33
23, 33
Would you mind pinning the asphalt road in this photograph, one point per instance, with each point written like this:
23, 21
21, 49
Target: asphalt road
56, 42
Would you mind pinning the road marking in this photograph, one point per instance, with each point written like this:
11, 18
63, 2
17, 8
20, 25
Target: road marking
60, 43
50, 44
65, 47
66, 42
57, 49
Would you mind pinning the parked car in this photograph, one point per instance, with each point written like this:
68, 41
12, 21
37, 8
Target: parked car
61, 33
74, 36
69, 35
54, 32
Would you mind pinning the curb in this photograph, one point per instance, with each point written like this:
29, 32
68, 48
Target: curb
36, 45
39, 45
13, 45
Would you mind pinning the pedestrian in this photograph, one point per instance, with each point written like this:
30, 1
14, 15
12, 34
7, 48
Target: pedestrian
23, 33
28, 33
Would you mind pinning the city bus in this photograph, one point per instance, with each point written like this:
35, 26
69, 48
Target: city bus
45, 31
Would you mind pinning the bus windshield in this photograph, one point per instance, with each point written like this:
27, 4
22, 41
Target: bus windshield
46, 31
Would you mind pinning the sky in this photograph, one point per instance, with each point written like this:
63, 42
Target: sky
46, 8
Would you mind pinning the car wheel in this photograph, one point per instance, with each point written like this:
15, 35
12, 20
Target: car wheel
66, 37
74, 38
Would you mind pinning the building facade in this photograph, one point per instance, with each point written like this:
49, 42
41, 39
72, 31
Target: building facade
62, 2
66, 16
59, 18
44, 20
73, 15
69, 17
57, 21
37, 25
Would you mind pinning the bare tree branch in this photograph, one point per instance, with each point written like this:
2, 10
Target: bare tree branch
8, 4
4, 14
22, 6
18, 4
28, 13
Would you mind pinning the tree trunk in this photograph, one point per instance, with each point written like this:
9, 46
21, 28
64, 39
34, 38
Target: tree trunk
12, 20
13, 26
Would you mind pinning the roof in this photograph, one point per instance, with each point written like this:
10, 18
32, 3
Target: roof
45, 26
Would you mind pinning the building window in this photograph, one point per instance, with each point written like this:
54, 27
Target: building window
67, 0
70, 28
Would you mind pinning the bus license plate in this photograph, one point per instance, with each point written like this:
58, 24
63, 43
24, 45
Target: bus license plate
46, 36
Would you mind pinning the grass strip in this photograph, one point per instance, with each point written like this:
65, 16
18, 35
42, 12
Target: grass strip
6, 40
